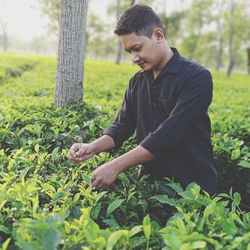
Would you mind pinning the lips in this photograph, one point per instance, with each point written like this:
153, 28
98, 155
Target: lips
140, 64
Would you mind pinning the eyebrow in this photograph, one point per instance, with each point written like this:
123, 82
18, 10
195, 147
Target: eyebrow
132, 47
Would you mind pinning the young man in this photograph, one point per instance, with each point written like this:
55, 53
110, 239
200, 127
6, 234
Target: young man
166, 103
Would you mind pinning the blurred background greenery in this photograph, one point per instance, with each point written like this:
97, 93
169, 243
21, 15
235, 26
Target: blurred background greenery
216, 33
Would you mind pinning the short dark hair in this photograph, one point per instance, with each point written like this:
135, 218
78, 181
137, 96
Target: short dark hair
140, 19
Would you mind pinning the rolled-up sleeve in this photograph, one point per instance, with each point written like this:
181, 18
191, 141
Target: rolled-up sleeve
193, 100
124, 125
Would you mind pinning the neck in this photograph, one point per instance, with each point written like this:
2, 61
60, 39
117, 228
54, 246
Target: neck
167, 55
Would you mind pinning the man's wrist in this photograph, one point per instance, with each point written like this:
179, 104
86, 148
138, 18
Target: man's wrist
95, 147
118, 166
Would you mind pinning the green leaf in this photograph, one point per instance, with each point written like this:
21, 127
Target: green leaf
198, 244
209, 210
5, 229
37, 148
244, 164
235, 154
54, 153
95, 211
114, 237
135, 230
165, 200
237, 198
59, 196
111, 223
114, 205
147, 226
229, 227
29, 245
176, 187
5, 244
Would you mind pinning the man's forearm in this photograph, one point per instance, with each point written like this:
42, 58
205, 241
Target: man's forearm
132, 158
103, 144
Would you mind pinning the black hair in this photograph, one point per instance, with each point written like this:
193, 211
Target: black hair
140, 19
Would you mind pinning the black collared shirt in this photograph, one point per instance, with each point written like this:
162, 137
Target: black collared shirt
169, 115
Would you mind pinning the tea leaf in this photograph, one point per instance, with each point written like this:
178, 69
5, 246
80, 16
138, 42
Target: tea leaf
114, 205
147, 227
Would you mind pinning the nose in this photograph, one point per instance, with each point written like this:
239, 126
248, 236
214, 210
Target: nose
135, 57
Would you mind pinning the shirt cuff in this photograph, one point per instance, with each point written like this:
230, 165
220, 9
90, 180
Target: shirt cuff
152, 144
110, 132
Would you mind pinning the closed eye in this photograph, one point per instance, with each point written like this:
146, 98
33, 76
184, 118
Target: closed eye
134, 49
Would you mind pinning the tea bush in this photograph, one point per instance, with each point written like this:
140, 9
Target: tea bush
47, 202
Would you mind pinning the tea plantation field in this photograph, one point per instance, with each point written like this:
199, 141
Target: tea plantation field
45, 202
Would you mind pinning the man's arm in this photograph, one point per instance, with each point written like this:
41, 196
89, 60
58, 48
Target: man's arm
106, 174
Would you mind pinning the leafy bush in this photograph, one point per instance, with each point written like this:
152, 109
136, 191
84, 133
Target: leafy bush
47, 202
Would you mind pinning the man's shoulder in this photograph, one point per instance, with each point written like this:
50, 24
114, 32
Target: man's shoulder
136, 79
190, 68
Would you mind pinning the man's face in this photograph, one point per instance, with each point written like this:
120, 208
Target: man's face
144, 51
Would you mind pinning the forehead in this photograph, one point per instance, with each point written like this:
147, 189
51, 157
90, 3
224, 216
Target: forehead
131, 40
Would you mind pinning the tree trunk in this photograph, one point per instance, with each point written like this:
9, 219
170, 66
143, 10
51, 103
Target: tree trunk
70, 62
119, 53
230, 40
4, 35
119, 45
248, 60
220, 41
219, 55
191, 54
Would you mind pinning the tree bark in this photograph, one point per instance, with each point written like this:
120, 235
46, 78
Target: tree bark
220, 41
230, 39
119, 45
5, 36
219, 55
70, 62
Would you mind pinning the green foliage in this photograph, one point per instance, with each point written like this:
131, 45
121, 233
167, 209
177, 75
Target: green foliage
47, 202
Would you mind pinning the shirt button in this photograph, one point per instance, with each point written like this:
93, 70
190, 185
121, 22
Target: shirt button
154, 104
154, 122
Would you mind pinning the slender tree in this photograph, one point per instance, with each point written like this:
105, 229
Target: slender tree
3, 27
230, 39
72, 39
119, 45
52, 8
220, 31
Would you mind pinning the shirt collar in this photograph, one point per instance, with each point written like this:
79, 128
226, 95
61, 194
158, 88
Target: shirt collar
172, 66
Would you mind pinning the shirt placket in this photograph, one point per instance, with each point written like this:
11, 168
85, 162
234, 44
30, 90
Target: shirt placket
155, 90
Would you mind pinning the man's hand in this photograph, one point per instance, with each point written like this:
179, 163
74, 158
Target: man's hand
104, 175
81, 152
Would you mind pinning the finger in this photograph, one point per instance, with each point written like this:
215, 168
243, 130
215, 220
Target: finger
74, 148
81, 150
95, 183
85, 157
70, 156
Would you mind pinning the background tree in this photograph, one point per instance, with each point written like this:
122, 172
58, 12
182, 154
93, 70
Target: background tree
197, 16
117, 9
52, 9
72, 39
119, 44
230, 38
3, 28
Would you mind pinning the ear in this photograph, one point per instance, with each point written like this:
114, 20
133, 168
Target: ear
159, 34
